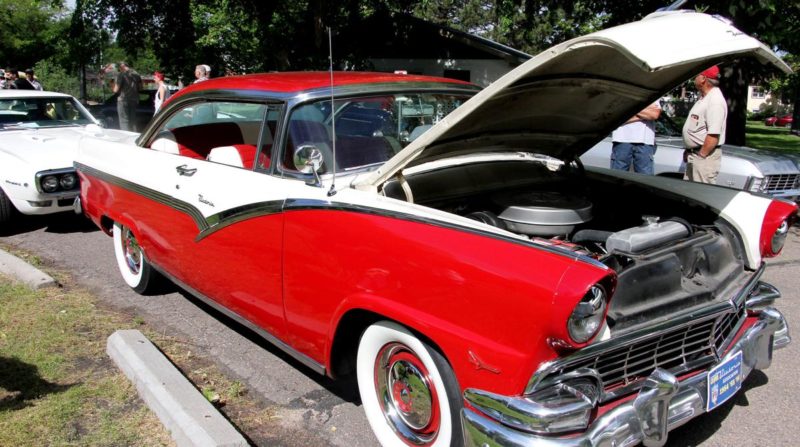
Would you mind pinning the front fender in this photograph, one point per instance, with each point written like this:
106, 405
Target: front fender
493, 307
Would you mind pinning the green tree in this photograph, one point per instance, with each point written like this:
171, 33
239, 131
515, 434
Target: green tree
527, 25
32, 30
775, 22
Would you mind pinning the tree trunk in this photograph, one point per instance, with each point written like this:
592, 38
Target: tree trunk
82, 76
796, 112
734, 85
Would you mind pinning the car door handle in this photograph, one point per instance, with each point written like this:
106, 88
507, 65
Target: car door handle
185, 170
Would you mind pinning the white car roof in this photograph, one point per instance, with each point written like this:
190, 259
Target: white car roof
12, 93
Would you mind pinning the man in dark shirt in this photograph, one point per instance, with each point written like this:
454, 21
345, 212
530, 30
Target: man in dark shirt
126, 86
15, 82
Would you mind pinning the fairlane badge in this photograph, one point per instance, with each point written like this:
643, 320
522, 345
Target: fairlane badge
202, 200
13, 183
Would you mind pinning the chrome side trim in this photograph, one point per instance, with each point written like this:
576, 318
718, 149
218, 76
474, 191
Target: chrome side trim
662, 405
241, 213
313, 204
675, 322
280, 344
151, 194
205, 225
216, 222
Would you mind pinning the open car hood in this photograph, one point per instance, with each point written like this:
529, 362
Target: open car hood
567, 98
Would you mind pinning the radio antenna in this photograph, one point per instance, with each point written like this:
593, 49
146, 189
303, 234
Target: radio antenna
332, 191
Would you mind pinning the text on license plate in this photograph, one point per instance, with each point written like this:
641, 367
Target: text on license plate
724, 380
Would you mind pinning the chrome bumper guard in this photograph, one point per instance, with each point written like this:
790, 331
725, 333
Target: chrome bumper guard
663, 403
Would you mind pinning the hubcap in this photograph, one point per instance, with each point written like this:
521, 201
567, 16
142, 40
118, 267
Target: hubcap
132, 251
407, 394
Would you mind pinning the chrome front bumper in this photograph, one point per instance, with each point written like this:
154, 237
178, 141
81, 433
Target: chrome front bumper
662, 404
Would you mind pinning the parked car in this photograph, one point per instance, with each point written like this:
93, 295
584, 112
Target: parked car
783, 121
39, 133
106, 111
742, 167
483, 287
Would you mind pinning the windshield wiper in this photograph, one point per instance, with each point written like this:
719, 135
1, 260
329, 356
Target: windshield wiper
19, 125
59, 123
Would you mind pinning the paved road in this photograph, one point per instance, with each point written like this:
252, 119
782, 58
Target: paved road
315, 411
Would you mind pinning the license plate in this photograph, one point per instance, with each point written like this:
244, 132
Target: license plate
724, 380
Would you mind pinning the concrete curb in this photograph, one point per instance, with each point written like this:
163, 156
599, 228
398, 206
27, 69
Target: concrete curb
24, 272
190, 418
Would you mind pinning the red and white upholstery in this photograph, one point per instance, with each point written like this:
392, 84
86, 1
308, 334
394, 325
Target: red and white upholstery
239, 155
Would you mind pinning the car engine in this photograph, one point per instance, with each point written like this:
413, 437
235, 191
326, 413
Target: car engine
663, 265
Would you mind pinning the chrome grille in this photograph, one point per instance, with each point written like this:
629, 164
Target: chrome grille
780, 182
679, 351
725, 327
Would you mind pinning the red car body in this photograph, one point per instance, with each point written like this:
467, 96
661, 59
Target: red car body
783, 121
387, 234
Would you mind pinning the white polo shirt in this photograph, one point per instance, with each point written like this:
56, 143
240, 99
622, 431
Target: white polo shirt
643, 132
708, 116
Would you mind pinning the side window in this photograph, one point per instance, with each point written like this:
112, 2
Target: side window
220, 132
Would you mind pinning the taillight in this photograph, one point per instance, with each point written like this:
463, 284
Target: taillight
779, 217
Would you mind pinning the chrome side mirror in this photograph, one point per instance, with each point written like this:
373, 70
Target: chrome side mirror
308, 159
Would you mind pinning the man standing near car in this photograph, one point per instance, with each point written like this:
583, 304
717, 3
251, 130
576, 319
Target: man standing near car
634, 143
201, 73
29, 75
126, 86
704, 130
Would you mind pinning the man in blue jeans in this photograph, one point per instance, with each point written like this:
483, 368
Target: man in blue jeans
634, 143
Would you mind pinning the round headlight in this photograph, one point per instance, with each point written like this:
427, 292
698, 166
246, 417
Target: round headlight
587, 318
50, 183
779, 238
68, 181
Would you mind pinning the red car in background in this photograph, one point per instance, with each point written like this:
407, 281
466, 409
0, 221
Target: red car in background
783, 121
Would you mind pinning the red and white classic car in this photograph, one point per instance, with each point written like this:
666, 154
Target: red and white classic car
447, 247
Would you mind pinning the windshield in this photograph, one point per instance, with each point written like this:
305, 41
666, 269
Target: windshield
369, 130
41, 112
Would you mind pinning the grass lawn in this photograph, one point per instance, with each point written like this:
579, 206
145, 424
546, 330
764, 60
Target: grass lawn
777, 139
57, 386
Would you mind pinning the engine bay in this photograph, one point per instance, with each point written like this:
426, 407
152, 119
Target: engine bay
669, 255
663, 264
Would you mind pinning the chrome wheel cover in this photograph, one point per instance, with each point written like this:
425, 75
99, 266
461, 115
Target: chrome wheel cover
407, 395
131, 251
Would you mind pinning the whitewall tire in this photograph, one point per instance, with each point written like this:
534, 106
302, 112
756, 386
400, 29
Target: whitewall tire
132, 262
6, 207
408, 390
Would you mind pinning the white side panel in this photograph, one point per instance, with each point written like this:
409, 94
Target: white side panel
746, 213
222, 187
215, 188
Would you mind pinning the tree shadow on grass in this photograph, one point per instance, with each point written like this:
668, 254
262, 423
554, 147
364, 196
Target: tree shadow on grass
22, 383
767, 130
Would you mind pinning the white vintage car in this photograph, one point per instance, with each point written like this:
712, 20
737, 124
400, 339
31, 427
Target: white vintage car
742, 167
39, 135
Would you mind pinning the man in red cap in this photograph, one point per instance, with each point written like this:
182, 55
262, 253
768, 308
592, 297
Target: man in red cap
704, 130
